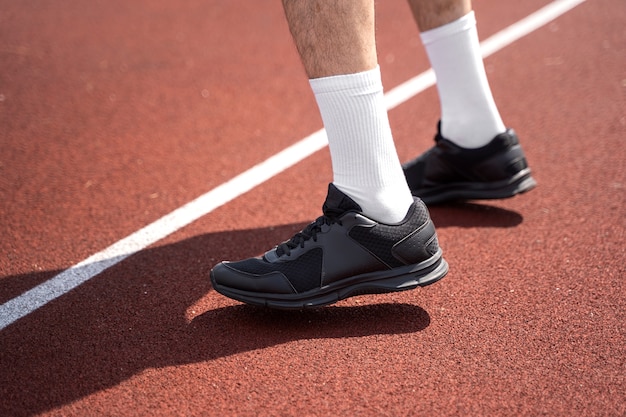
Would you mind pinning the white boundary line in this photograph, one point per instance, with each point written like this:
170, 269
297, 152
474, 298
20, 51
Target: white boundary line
78, 274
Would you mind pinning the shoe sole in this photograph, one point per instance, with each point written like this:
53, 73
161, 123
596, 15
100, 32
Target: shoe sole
518, 184
398, 279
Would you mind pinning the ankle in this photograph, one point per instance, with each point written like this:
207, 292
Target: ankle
387, 205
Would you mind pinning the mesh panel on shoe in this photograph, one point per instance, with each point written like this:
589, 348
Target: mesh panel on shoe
380, 239
433, 246
304, 273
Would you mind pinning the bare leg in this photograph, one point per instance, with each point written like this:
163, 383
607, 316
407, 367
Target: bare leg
333, 36
336, 42
430, 14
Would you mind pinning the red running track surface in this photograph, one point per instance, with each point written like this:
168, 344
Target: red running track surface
113, 114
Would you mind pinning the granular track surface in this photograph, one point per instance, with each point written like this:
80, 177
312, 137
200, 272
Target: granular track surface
114, 114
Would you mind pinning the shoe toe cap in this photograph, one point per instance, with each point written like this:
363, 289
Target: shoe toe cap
226, 274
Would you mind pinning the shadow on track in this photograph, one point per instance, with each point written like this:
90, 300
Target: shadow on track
132, 317
466, 214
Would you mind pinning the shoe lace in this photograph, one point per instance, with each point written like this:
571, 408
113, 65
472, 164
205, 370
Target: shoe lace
309, 232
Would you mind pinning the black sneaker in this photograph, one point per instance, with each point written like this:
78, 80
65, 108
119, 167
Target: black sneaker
341, 254
448, 172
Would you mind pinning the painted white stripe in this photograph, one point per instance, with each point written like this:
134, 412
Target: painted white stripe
71, 278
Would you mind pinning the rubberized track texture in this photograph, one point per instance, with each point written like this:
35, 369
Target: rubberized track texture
143, 142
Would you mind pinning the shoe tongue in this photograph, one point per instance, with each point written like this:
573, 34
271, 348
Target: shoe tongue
338, 203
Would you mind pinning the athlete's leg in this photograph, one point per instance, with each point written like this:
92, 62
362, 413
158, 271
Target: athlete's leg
373, 237
469, 114
475, 156
333, 37
336, 41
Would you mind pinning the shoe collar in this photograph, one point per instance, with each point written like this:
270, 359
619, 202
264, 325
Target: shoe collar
337, 203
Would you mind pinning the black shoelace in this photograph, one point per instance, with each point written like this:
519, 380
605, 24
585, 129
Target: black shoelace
309, 232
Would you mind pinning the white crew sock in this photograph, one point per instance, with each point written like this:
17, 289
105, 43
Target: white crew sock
364, 158
469, 116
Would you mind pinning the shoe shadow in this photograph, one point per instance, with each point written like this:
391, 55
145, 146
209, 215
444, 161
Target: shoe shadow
136, 315
249, 328
467, 214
